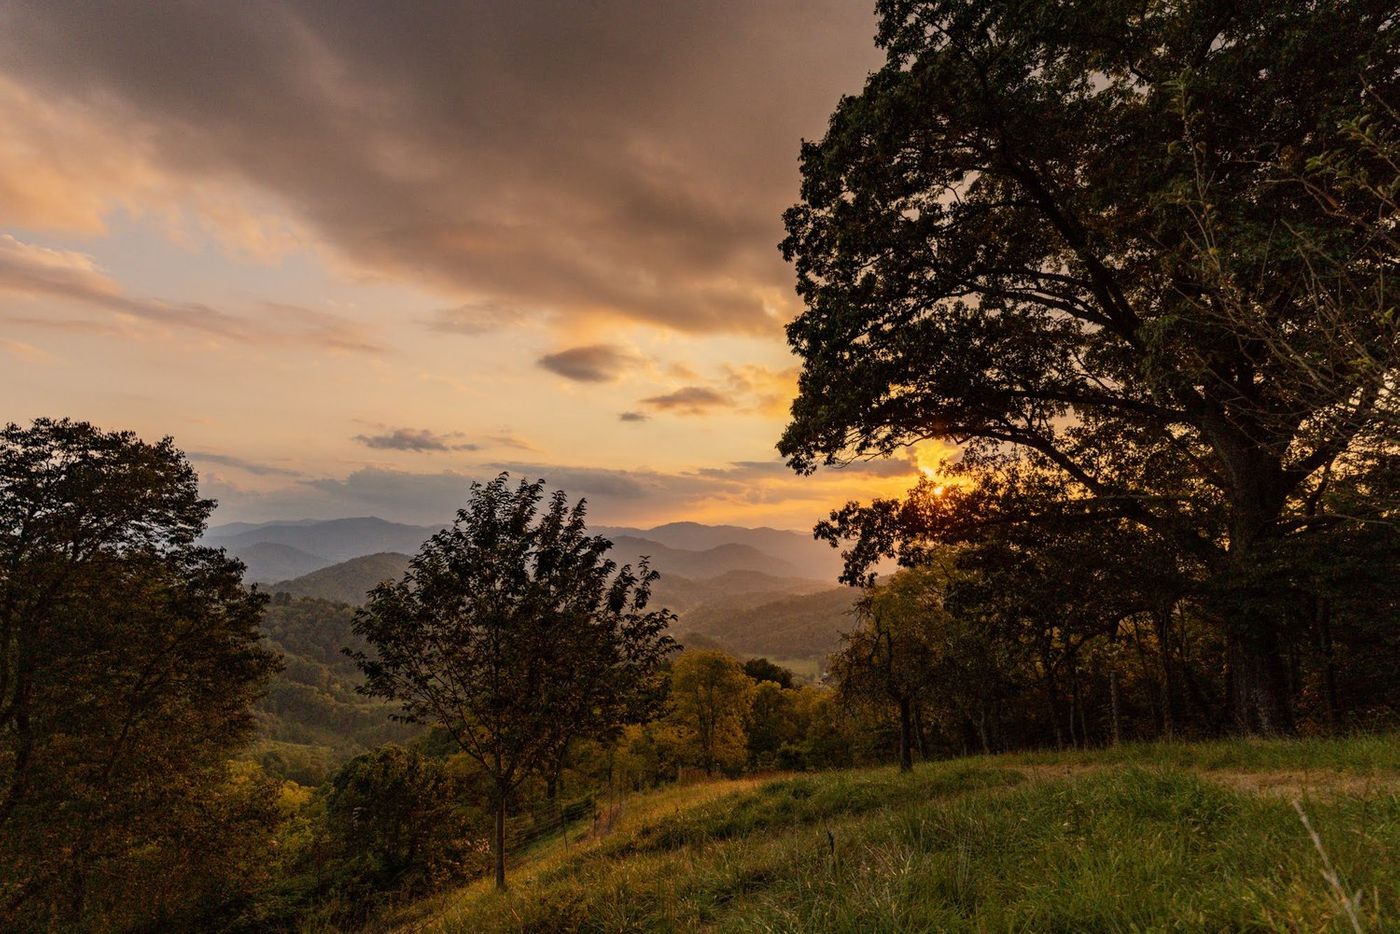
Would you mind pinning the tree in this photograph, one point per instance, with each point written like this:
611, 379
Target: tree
1000, 243
129, 658
761, 669
394, 819
890, 658
771, 723
710, 697
513, 631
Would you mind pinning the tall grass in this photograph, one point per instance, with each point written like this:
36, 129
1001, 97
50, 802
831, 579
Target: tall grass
1143, 840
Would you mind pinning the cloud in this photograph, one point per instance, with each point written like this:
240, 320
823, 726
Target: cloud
689, 400
238, 463
472, 319
747, 492
25, 351
501, 153
416, 439
507, 440
750, 388
595, 363
633, 416
40, 272
768, 391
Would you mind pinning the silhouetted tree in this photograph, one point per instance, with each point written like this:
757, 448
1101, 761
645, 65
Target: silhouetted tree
761, 669
1000, 243
129, 658
511, 628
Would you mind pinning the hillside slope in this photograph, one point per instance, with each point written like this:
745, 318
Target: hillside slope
347, 582
797, 626
311, 719
269, 561
1168, 837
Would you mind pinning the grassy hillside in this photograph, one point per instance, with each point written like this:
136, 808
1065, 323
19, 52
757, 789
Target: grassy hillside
1165, 837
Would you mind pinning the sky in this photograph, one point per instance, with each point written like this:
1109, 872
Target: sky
352, 256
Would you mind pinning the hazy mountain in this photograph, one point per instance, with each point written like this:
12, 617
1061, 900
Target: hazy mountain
681, 594
270, 561
709, 562
284, 551
803, 626
809, 557
347, 582
333, 539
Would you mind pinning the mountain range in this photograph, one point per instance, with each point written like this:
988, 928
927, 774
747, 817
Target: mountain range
279, 551
755, 591
751, 592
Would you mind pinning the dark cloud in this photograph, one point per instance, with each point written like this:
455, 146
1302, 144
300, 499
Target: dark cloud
595, 363
416, 439
616, 157
690, 400
632, 416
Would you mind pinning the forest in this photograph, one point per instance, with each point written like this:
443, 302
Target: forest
1135, 264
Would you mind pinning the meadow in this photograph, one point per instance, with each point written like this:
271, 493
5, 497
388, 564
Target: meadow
1163, 836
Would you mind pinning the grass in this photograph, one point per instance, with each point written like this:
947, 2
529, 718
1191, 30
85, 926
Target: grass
1139, 838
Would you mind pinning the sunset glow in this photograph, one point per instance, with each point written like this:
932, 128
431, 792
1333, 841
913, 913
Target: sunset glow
351, 261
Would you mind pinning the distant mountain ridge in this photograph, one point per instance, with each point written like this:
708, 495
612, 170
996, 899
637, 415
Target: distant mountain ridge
346, 582
331, 540
270, 561
286, 550
808, 556
746, 610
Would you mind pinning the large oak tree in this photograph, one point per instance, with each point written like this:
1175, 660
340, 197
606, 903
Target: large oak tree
1074, 231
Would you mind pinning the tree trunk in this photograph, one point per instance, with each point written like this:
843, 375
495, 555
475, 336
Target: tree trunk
1259, 696
500, 840
906, 751
1258, 682
1323, 615
1161, 617
1113, 705
1053, 691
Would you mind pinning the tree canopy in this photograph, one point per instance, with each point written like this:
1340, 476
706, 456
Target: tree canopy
515, 632
129, 658
1061, 235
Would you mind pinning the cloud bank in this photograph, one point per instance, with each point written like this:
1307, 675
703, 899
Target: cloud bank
608, 159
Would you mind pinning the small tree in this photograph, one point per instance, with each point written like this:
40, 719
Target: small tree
890, 657
512, 626
711, 696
